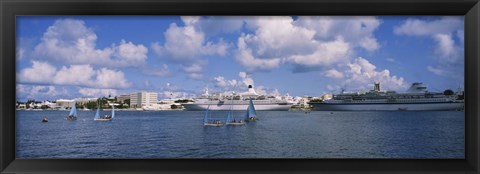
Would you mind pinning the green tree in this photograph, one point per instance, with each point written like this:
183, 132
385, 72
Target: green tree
174, 107
45, 107
29, 102
91, 105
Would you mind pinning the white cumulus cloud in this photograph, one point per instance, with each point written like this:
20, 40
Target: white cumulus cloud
107, 78
71, 41
309, 43
220, 81
130, 54
246, 79
326, 54
74, 75
246, 58
40, 73
448, 34
361, 73
39, 91
333, 73
356, 30
188, 46
447, 50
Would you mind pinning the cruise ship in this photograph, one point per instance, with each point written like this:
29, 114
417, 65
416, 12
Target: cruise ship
416, 98
240, 102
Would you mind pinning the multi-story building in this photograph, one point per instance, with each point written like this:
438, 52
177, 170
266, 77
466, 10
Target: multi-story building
140, 99
62, 103
123, 97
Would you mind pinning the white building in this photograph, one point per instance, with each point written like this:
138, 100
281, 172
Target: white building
49, 104
140, 99
85, 100
22, 106
62, 103
123, 97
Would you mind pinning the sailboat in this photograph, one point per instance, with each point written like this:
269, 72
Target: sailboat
73, 113
251, 114
230, 116
106, 117
208, 122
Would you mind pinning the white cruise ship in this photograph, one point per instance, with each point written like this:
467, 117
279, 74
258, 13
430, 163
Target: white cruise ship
240, 102
416, 98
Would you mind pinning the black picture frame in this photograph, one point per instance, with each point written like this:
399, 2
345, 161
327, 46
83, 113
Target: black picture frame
11, 8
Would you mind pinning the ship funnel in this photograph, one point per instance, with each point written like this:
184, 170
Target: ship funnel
251, 92
377, 86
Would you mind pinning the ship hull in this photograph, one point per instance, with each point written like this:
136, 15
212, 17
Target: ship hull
388, 106
225, 107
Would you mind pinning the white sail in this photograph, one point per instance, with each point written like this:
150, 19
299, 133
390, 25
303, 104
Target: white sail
113, 111
97, 114
73, 111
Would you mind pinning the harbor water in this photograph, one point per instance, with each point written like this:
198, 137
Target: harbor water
277, 134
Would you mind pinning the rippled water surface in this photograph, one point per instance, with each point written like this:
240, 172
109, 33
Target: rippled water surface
277, 134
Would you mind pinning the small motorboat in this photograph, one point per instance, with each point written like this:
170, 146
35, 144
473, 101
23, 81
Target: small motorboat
45, 120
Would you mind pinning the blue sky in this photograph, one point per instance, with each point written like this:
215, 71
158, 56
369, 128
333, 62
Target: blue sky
95, 56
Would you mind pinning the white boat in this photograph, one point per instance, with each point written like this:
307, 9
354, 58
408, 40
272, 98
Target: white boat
209, 122
416, 98
240, 102
232, 121
73, 113
106, 117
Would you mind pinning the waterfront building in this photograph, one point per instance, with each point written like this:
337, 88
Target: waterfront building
63, 103
83, 101
49, 104
140, 99
21, 106
123, 97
